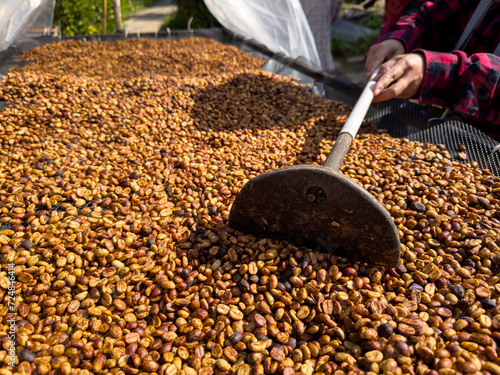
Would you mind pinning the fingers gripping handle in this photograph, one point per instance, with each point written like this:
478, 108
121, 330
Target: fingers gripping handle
351, 127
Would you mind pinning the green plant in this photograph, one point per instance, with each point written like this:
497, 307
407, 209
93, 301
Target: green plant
373, 19
202, 18
84, 17
345, 49
79, 17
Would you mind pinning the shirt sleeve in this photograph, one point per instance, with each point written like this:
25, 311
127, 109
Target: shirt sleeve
466, 84
433, 27
394, 9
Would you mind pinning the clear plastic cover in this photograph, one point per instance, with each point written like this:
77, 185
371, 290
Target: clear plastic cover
17, 16
280, 25
42, 26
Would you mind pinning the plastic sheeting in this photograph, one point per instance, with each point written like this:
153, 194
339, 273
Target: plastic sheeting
280, 25
16, 16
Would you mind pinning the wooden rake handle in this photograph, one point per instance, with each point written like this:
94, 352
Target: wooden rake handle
351, 127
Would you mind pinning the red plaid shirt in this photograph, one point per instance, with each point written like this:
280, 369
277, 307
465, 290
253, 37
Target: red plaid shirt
467, 81
395, 9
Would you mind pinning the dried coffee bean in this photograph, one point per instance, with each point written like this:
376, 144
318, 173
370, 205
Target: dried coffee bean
418, 206
458, 290
469, 263
27, 356
384, 330
235, 338
416, 286
27, 244
488, 303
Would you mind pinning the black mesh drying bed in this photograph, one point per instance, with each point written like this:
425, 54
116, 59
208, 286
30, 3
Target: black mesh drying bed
400, 118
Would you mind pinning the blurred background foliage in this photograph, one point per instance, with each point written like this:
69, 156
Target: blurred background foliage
202, 18
84, 17
370, 17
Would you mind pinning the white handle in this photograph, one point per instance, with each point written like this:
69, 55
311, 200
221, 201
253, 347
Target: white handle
358, 113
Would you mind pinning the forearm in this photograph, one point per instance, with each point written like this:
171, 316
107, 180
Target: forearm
466, 84
434, 27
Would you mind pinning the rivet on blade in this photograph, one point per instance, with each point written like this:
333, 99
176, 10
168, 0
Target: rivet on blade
316, 194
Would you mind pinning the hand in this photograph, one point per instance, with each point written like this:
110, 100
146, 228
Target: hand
380, 53
400, 77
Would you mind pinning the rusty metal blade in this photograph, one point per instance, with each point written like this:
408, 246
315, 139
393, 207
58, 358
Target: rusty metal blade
316, 207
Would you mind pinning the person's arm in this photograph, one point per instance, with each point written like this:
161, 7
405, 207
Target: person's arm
394, 9
404, 36
433, 28
466, 84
